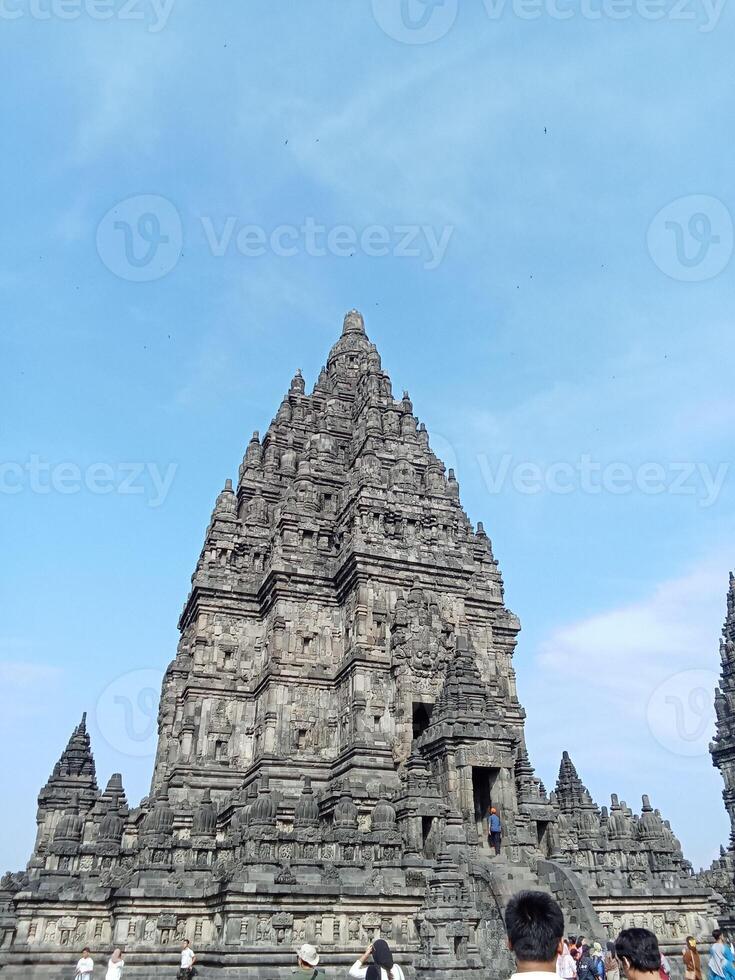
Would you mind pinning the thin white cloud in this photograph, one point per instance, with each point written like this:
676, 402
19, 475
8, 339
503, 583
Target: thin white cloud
629, 692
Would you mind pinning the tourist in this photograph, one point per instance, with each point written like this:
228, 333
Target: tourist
85, 966
566, 968
382, 967
535, 926
188, 958
716, 962
598, 961
612, 963
494, 829
585, 964
692, 961
115, 965
573, 948
639, 955
664, 971
729, 961
307, 958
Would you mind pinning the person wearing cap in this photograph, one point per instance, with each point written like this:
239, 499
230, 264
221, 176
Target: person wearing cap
307, 959
382, 967
494, 829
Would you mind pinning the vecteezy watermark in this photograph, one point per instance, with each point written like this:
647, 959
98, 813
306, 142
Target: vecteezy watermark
589, 476
127, 712
691, 238
424, 21
681, 712
153, 13
37, 475
140, 238
317, 240
415, 21
705, 13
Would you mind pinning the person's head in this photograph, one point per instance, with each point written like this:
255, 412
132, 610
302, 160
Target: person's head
611, 947
493, 810
383, 957
117, 955
534, 923
717, 935
596, 949
638, 952
572, 940
184, 943
691, 942
307, 956
85, 951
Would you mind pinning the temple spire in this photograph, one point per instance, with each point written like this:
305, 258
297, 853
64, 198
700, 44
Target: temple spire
571, 792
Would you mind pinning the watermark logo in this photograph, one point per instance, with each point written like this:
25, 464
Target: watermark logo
691, 238
415, 21
40, 476
423, 242
681, 712
153, 13
127, 712
701, 480
140, 238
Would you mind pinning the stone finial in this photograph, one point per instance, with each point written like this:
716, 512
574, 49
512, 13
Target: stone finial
345, 812
297, 384
306, 811
75, 768
353, 323
205, 816
225, 503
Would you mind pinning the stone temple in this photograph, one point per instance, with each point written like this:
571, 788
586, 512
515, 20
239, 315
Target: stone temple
340, 712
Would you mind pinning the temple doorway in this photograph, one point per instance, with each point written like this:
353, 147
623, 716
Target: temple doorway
421, 717
483, 781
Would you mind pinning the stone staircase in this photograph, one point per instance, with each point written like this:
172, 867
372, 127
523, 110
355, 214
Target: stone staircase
506, 879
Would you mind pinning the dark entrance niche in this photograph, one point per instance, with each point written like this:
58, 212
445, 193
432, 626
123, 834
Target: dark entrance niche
426, 824
483, 780
421, 717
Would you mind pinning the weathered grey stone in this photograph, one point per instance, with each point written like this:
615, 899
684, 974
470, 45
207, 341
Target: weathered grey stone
341, 710
721, 876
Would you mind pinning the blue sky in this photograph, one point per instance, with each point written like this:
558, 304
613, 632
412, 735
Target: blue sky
560, 176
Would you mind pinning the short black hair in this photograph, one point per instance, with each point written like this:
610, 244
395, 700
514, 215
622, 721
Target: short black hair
716, 933
535, 926
86, 949
640, 948
573, 940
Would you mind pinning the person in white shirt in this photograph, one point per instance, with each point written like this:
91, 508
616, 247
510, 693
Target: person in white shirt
566, 968
716, 962
85, 966
534, 923
115, 965
188, 958
382, 967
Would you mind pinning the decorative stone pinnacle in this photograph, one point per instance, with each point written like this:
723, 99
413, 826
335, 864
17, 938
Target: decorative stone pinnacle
353, 323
